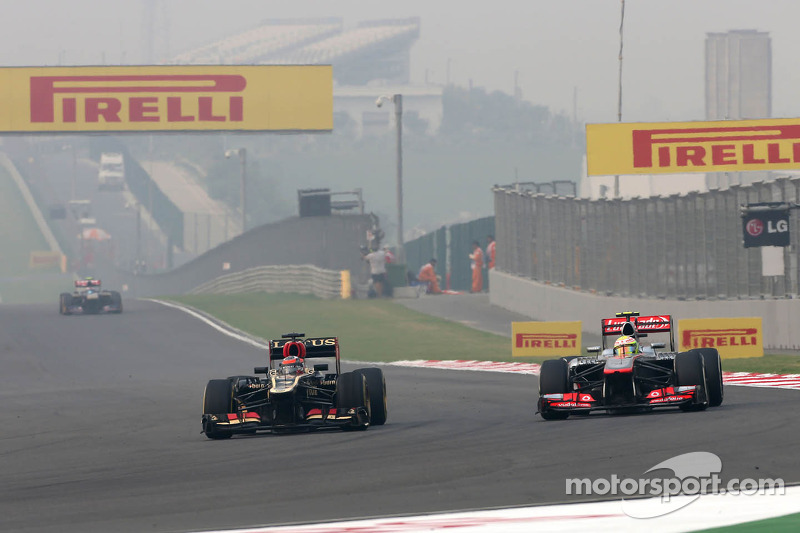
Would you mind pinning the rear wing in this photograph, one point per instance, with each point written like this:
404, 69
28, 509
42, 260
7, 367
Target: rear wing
83, 283
316, 347
637, 326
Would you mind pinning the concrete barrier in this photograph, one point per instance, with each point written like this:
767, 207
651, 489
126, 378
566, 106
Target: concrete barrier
540, 301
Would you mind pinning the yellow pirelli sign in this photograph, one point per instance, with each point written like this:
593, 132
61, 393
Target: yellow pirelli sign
545, 338
679, 147
167, 98
732, 337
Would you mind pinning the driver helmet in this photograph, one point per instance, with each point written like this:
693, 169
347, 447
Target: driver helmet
292, 365
626, 345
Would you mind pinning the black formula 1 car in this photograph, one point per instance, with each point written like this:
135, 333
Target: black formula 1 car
89, 298
294, 395
621, 383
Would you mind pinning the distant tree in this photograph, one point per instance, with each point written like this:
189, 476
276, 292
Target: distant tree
474, 113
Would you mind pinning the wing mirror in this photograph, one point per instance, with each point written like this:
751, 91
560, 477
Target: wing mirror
593, 349
321, 367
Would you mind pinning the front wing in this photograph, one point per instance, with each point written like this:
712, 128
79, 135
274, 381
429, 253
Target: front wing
318, 418
583, 402
78, 309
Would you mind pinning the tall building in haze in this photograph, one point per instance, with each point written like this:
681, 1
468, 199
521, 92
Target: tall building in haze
738, 75
738, 86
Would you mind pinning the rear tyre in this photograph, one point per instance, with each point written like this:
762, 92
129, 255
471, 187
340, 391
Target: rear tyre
689, 371
554, 379
64, 302
116, 301
217, 400
351, 393
712, 364
376, 390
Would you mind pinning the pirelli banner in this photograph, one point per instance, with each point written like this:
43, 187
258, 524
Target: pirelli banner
733, 337
166, 98
679, 147
545, 338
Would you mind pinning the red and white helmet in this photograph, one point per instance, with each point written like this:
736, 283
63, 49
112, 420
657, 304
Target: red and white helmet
292, 365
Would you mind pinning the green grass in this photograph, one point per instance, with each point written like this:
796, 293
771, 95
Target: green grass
782, 524
368, 330
19, 236
769, 364
381, 330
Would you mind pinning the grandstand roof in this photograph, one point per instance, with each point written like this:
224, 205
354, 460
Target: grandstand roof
373, 50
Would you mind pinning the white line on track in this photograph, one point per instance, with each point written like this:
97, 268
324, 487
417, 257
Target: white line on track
219, 325
706, 511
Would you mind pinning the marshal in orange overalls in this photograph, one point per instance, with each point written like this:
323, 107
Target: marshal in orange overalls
477, 267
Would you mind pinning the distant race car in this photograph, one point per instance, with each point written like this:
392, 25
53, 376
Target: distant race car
89, 298
629, 377
294, 395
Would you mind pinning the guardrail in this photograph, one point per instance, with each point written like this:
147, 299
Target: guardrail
299, 279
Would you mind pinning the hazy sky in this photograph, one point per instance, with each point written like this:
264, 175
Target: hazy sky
557, 46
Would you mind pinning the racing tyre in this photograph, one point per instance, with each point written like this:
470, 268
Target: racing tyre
553, 379
116, 301
712, 365
64, 301
217, 400
351, 392
376, 390
689, 371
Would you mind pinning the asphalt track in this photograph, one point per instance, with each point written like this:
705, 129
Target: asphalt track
101, 432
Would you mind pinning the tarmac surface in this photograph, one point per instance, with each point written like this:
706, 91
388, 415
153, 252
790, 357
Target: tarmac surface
101, 432
475, 311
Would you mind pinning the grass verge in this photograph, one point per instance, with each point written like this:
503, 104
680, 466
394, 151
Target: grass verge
381, 330
19, 236
368, 330
781, 524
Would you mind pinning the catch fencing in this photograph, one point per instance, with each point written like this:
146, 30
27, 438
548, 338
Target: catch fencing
676, 247
297, 279
451, 246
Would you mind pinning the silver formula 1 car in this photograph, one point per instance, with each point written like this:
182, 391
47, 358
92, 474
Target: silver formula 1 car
629, 376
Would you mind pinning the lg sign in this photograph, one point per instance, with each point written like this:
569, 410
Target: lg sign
766, 228
755, 227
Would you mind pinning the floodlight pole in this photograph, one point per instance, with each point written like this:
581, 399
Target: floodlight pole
619, 100
398, 117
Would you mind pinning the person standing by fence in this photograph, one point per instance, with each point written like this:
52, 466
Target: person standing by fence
476, 258
377, 268
490, 251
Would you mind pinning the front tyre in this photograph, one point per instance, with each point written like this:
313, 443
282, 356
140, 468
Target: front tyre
712, 365
553, 379
376, 390
351, 393
689, 370
64, 303
217, 400
116, 302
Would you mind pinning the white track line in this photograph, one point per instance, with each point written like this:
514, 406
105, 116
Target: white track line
706, 511
219, 325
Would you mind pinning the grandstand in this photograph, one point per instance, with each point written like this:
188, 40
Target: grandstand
371, 59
